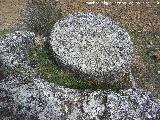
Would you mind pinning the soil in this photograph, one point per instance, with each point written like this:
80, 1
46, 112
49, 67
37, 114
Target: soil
10, 11
138, 16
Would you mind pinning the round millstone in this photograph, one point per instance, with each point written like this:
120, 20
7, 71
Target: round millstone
92, 45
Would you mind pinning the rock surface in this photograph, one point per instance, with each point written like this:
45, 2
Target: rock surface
24, 95
93, 45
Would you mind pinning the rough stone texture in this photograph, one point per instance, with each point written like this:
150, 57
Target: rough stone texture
24, 95
14, 46
41, 15
92, 44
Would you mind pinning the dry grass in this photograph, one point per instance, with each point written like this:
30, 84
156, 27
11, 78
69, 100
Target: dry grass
10, 11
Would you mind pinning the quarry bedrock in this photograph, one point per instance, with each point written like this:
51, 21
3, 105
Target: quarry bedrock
26, 96
92, 44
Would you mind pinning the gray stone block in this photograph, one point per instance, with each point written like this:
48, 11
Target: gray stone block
92, 45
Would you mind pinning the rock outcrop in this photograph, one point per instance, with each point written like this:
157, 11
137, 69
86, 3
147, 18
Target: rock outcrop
24, 95
92, 45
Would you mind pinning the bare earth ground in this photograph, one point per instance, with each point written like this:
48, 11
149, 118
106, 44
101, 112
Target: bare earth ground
10, 11
146, 16
142, 16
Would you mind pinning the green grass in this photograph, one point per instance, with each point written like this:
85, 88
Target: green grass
54, 74
4, 31
147, 43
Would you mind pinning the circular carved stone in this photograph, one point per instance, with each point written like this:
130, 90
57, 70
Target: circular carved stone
92, 45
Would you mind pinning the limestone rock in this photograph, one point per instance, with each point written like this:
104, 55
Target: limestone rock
24, 95
92, 45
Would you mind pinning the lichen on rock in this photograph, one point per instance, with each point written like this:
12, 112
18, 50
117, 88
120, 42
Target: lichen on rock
93, 45
26, 96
